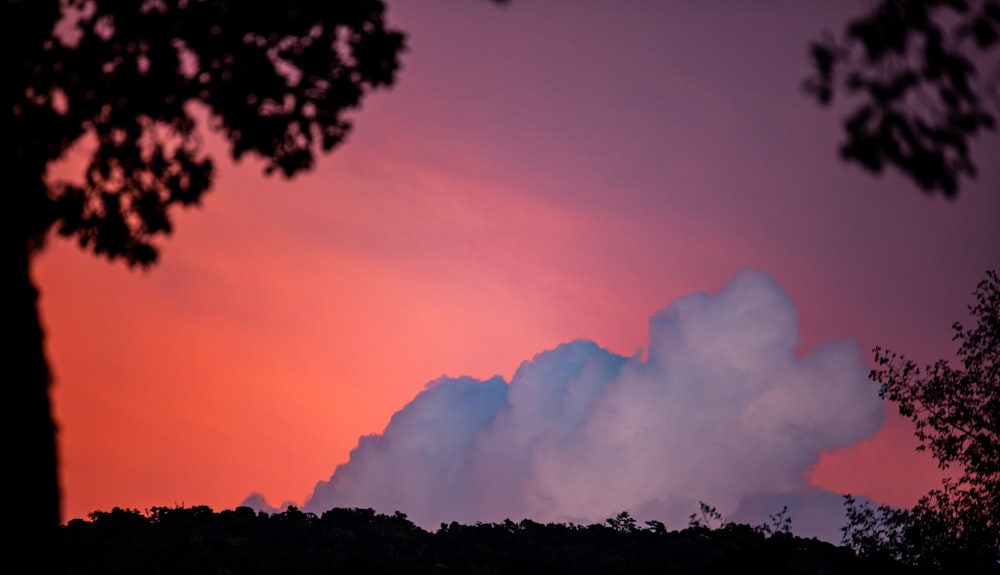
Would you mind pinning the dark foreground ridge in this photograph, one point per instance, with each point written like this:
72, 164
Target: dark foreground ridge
199, 540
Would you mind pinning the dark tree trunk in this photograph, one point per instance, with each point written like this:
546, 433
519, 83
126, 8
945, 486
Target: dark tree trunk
33, 468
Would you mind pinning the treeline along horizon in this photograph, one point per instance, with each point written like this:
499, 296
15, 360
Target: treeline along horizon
199, 540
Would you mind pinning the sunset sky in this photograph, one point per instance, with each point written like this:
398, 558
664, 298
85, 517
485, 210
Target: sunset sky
541, 173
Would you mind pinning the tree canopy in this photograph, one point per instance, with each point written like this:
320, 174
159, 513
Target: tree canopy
199, 540
924, 79
276, 78
956, 411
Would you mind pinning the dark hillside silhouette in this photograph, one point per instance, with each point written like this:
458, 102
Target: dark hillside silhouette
198, 540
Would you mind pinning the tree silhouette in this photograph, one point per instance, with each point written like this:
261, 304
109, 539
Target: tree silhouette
924, 75
198, 540
957, 416
127, 79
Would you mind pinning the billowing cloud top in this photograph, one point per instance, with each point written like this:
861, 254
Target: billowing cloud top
721, 410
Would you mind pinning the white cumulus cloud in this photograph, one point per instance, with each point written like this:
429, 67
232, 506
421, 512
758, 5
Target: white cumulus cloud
721, 410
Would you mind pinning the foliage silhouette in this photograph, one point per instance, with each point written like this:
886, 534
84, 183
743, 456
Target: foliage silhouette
780, 522
125, 82
623, 522
957, 416
197, 540
707, 517
915, 66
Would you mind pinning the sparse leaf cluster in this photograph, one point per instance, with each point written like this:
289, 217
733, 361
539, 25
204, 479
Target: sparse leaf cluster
707, 517
780, 522
924, 77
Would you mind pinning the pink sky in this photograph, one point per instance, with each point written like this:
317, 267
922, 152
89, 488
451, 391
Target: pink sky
541, 173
